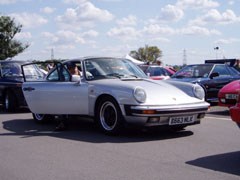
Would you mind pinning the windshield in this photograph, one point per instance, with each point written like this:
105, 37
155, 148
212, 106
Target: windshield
105, 68
11, 69
194, 71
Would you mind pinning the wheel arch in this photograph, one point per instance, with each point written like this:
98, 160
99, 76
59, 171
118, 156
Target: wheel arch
99, 98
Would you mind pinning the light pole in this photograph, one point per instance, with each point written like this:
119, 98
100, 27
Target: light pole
216, 48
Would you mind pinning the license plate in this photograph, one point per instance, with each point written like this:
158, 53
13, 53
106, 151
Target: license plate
181, 120
231, 96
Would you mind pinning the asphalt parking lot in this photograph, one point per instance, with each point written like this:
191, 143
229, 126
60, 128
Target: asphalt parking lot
32, 151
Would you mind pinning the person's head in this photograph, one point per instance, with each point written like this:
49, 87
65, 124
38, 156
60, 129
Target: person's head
159, 62
72, 68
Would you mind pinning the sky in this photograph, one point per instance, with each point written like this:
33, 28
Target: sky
184, 30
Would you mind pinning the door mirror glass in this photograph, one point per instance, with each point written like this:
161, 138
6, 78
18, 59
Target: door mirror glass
76, 78
216, 74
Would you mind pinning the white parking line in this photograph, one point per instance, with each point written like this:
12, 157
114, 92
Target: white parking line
214, 117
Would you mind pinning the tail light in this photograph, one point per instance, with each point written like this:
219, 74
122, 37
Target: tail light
238, 97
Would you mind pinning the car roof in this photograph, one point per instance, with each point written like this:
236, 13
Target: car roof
151, 65
15, 61
207, 64
91, 57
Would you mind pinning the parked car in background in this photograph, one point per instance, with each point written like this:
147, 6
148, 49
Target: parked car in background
227, 96
114, 91
212, 77
235, 111
156, 72
11, 79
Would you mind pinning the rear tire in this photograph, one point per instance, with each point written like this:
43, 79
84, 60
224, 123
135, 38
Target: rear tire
10, 102
108, 116
42, 118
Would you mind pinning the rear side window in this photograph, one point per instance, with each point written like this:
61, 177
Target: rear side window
222, 70
234, 71
53, 76
59, 74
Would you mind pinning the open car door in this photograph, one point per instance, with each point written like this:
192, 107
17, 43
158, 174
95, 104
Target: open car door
55, 93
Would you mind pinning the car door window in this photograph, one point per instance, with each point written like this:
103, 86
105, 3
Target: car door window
59, 74
233, 71
222, 70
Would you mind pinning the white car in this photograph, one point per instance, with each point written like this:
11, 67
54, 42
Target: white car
114, 91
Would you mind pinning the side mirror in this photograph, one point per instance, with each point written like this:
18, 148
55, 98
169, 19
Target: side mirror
148, 74
76, 78
216, 74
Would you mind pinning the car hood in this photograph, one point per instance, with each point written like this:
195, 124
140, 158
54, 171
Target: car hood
192, 80
158, 92
232, 87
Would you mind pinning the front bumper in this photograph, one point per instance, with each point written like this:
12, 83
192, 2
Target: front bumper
160, 115
235, 113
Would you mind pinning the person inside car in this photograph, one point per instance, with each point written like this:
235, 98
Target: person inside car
73, 69
50, 66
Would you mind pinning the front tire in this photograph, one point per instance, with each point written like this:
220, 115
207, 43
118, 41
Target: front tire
109, 117
42, 118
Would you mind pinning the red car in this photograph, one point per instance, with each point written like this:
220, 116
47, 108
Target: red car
235, 111
157, 72
228, 94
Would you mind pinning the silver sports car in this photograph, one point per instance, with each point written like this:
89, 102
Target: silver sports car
113, 91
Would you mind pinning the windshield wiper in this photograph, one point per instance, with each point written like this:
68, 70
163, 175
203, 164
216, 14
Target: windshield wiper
115, 75
132, 75
179, 76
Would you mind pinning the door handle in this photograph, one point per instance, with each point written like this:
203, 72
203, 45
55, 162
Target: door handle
28, 89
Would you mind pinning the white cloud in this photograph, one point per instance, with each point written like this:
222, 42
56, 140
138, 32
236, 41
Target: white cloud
170, 13
196, 30
90, 34
214, 17
86, 14
227, 41
197, 4
7, 1
124, 33
117, 51
64, 37
29, 20
161, 39
155, 29
23, 35
231, 2
73, 1
69, 38
112, 0
131, 20
4, 2
48, 10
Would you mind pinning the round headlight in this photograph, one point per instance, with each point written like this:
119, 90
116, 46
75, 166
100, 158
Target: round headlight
140, 94
198, 92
